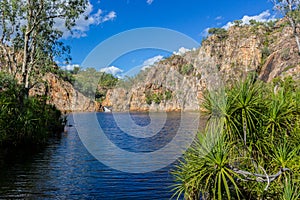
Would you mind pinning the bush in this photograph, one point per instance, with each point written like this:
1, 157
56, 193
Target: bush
25, 120
158, 97
265, 52
94, 84
250, 147
187, 69
220, 32
168, 95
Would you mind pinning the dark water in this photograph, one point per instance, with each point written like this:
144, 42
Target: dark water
64, 169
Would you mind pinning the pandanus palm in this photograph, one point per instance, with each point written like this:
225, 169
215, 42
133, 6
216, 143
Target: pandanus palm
240, 107
205, 171
247, 108
280, 114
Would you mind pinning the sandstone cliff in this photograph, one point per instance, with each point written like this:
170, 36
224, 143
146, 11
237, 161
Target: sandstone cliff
270, 51
63, 95
177, 83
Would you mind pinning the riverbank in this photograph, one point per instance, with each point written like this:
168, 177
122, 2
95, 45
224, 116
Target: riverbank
25, 120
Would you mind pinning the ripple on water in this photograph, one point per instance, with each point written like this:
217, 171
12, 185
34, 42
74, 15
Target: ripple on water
64, 169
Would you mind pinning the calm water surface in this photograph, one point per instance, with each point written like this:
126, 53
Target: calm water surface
64, 169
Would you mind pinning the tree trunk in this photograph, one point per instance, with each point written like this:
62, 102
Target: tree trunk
298, 42
25, 66
25, 53
293, 25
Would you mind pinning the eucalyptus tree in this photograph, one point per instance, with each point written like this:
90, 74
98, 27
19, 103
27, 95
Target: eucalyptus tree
290, 9
30, 35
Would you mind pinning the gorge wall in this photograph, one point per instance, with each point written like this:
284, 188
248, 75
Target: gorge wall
63, 95
177, 83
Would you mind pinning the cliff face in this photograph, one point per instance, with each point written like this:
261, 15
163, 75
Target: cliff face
159, 88
178, 82
63, 95
270, 51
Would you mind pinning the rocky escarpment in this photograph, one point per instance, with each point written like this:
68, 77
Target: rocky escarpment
172, 85
63, 95
177, 83
271, 51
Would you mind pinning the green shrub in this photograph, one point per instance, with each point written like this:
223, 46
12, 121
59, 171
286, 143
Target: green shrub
221, 33
238, 23
25, 120
157, 98
187, 69
168, 95
285, 54
250, 147
265, 52
149, 99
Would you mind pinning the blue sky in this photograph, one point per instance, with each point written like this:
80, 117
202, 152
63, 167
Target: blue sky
190, 17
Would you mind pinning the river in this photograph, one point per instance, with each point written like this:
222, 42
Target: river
64, 169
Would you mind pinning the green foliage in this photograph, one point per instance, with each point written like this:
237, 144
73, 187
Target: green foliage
288, 68
285, 54
75, 70
25, 121
86, 82
168, 95
291, 10
148, 99
291, 191
255, 23
220, 32
252, 129
94, 84
265, 52
204, 170
158, 97
65, 75
30, 27
280, 113
107, 80
186, 69
217, 31
271, 24
237, 23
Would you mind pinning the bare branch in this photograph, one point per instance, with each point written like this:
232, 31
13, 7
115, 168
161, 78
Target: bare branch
259, 177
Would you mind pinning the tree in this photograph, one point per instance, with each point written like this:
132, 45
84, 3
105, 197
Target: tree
29, 35
220, 32
216, 31
238, 23
290, 9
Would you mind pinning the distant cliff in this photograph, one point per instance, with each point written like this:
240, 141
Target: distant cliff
177, 83
63, 95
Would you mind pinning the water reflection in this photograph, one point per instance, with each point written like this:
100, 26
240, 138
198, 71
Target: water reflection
65, 170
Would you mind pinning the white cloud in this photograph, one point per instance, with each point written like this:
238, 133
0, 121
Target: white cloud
181, 51
151, 61
112, 70
69, 67
150, 2
205, 32
219, 18
82, 24
110, 16
262, 17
